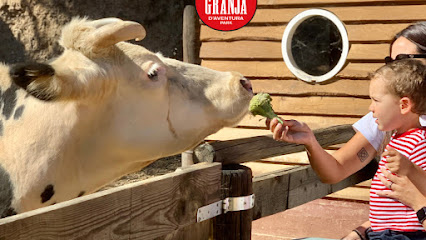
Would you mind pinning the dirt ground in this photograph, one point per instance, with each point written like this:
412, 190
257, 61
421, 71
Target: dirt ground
29, 30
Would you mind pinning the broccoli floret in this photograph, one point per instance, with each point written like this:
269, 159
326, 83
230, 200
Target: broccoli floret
261, 105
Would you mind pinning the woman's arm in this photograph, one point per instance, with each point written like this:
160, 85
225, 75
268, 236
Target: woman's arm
353, 156
403, 190
402, 166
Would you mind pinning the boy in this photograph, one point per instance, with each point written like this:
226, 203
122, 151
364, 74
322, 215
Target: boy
398, 94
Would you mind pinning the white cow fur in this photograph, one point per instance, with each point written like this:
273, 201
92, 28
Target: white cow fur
108, 118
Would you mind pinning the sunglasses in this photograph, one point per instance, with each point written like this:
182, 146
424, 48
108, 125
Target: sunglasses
388, 59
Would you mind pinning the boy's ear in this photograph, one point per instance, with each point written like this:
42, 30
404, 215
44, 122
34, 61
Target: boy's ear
406, 105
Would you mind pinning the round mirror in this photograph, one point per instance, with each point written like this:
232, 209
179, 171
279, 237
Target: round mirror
315, 45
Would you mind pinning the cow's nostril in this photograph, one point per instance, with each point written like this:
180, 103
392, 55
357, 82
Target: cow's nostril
246, 84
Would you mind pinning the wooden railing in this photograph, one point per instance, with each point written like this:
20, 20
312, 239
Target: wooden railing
166, 207
157, 208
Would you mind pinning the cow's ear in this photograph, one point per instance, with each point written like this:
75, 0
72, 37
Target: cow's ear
35, 78
110, 31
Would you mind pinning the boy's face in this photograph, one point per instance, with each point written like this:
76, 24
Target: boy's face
384, 105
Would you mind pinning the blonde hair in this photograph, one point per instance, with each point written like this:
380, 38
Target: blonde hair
405, 78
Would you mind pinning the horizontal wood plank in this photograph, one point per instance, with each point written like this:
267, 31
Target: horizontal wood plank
292, 187
305, 185
326, 106
258, 168
255, 125
145, 210
271, 186
252, 50
278, 69
314, 122
228, 133
297, 159
351, 88
260, 147
351, 193
365, 184
271, 33
374, 32
356, 33
347, 14
321, 105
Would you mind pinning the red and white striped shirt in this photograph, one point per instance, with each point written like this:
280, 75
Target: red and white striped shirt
386, 213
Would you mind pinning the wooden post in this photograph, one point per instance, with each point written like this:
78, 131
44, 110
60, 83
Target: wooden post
191, 51
187, 158
191, 35
236, 182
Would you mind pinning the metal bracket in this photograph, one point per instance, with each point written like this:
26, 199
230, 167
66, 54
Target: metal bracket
233, 204
209, 211
230, 204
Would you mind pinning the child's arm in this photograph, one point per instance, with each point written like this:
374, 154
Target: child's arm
353, 156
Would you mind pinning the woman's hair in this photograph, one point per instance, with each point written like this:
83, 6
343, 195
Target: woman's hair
416, 33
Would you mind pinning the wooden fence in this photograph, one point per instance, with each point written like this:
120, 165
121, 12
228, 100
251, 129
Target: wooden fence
165, 207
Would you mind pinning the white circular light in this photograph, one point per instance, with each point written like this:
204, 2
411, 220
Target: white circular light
288, 36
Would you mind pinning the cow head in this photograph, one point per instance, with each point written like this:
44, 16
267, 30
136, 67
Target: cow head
111, 105
174, 100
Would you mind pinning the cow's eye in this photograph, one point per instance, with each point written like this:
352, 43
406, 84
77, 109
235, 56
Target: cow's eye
153, 74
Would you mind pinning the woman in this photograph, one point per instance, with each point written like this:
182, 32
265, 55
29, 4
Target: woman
365, 145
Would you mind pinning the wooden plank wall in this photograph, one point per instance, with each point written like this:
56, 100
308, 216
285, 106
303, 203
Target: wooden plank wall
255, 51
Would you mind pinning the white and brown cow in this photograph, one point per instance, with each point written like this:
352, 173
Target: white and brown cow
102, 109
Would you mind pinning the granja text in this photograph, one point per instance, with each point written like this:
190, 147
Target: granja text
226, 7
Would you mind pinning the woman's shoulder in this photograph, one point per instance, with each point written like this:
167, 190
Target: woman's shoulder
368, 128
423, 120
366, 122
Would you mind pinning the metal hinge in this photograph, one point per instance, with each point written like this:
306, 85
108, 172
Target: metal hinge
230, 204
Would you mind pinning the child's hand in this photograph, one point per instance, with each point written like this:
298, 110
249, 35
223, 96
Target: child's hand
397, 163
291, 131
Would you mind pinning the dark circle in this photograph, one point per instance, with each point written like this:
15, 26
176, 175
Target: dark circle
316, 46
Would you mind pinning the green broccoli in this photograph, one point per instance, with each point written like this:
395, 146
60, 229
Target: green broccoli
261, 105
